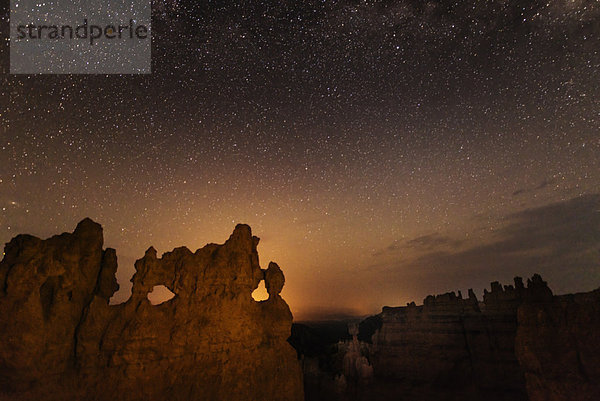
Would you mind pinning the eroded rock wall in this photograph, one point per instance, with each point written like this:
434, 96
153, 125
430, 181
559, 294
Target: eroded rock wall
558, 345
521, 342
454, 343
60, 339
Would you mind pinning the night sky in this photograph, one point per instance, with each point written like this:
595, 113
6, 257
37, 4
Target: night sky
382, 150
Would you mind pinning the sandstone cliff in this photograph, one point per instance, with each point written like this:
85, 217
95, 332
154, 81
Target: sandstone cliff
461, 345
61, 340
558, 345
521, 342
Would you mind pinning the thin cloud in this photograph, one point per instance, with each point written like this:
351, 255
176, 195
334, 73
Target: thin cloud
422, 243
547, 182
559, 240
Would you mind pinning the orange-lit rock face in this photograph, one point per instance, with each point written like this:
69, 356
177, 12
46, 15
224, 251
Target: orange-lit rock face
60, 339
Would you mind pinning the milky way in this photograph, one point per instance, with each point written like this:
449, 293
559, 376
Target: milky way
382, 150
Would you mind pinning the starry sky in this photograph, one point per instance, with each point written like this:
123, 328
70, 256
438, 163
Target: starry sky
382, 150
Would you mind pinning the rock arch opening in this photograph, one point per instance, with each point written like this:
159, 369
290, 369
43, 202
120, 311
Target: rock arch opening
260, 293
160, 294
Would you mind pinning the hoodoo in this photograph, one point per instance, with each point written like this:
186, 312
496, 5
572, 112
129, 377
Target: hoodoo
61, 340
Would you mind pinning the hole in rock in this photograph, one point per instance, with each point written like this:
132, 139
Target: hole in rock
260, 294
160, 294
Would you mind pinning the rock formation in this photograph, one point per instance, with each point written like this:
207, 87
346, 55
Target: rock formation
61, 340
355, 365
558, 346
451, 342
521, 342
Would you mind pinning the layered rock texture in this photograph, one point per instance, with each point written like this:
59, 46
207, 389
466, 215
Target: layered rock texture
454, 343
520, 343
61, 340
558, 346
